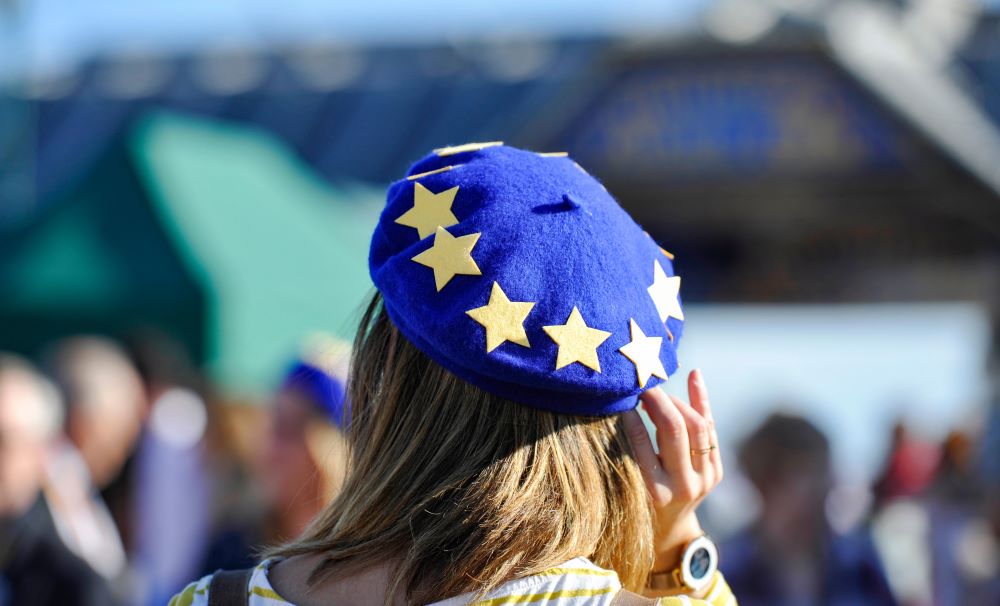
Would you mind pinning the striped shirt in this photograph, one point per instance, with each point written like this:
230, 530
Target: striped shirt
576, 583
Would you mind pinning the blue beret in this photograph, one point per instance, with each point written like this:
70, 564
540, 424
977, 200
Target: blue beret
323, 388
519, 273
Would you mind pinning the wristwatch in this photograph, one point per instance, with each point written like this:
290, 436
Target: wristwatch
699, 562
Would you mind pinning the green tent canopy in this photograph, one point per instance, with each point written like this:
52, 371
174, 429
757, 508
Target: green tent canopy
213, 233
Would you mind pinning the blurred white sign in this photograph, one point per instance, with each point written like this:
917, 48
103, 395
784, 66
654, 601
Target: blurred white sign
851, 369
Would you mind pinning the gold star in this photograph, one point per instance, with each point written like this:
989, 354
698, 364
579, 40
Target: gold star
429, 210
577, 342
664, 293
449, 256
645, 354
503, 319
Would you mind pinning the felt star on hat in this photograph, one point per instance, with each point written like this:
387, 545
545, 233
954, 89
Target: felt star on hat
449, 256
429, 210
503, 319
520, 274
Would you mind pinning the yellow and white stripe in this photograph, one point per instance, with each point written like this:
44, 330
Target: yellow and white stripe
718, 594
574, 583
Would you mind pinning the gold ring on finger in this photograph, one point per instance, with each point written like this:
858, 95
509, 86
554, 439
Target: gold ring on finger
702, 451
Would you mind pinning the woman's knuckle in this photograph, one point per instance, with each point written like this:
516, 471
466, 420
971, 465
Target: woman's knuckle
662, 496
686, 491
675, 431
700, 431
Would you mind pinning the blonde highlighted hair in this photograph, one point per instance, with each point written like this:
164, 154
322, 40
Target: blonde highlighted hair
461, 490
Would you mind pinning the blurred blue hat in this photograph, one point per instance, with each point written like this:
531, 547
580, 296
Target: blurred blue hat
318, 373
519, 273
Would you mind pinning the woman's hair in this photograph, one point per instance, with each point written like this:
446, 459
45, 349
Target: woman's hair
461, 490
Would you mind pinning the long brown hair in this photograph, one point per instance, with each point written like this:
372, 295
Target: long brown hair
461, 490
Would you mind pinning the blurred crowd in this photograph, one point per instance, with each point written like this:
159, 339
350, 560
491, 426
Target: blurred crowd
929, 533
122, 477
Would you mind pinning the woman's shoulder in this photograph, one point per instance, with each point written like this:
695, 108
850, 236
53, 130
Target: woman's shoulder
259, 588
578, 582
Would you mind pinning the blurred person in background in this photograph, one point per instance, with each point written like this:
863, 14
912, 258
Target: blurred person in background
909, 468
36, 566
303, 459
963, 531
963, 507
104, 414
169, 487
940, 537
790, 555
957, 477
986, 589
104, 402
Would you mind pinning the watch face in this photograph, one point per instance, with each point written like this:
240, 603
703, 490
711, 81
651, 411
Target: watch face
701, 563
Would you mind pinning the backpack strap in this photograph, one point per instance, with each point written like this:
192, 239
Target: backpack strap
626, 598
230, 588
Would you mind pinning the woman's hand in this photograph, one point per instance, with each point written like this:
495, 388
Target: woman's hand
687, 468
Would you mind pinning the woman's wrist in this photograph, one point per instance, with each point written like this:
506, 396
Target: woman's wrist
670, 544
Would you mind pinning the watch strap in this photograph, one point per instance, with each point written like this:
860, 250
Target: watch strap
670, 579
